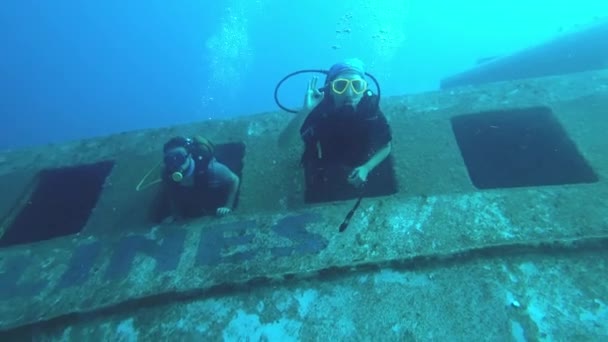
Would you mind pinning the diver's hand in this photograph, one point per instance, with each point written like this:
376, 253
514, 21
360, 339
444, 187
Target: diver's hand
313, 95
222, 211
358, 176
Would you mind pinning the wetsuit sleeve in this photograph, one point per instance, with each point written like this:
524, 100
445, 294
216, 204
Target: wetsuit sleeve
380, 131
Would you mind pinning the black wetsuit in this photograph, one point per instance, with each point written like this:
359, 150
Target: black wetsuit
338, 140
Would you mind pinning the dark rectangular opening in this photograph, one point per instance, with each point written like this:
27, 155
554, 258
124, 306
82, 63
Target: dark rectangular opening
59, 205
518, 148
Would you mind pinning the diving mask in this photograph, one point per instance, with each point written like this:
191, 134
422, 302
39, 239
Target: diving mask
340, 85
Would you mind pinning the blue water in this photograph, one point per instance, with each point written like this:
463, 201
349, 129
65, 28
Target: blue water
75, 69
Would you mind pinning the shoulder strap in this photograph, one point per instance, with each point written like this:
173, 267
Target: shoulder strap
369, 103
307, 131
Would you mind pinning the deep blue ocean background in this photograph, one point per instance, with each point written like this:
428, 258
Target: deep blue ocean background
75, 69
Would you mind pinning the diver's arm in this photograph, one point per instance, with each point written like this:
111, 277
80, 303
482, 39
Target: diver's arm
233, 188
290, 134
378, 157
312, 99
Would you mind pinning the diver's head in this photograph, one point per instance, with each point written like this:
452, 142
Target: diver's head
178, 159
346, 82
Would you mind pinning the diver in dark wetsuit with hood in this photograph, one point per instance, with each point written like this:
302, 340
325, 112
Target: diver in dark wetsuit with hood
345, 133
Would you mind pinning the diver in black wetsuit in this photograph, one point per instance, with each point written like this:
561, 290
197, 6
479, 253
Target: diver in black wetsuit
346, 135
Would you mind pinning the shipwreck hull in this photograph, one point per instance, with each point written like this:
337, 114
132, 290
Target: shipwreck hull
498, 192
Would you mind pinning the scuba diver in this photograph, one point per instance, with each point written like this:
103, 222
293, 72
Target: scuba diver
196, 182
345, 133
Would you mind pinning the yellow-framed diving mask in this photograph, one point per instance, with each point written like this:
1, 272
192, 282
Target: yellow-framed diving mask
357, 85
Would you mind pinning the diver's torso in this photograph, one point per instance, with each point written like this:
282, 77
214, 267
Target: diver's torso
200, 193
343, 138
